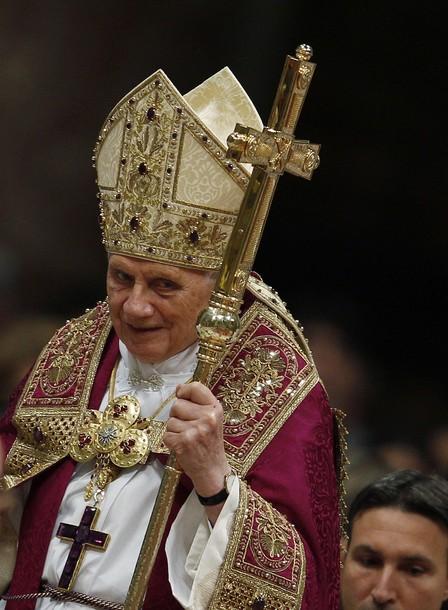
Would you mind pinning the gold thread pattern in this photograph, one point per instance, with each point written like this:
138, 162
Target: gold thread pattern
271, 298
167, 191
56, 396
251, 384
265, 564
342, 463
261, 380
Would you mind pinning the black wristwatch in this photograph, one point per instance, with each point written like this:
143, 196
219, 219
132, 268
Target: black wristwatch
221, 496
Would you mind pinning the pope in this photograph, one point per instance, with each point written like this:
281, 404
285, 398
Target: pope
255, 519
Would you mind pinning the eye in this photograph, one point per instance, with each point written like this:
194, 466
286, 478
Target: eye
415, 570
121, 276
369, 562
165, 286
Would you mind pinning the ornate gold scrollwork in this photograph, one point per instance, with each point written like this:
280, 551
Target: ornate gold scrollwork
252, 383
275, 151
119, 432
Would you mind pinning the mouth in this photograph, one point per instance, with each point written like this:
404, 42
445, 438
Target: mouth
141, 330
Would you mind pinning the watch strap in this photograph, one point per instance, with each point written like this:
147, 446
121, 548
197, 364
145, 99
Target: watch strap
221, 496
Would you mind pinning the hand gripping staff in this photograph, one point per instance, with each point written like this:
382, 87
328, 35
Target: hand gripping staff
272, 152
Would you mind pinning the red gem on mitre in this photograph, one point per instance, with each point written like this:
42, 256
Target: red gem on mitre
134, 223
194, 236
151, 113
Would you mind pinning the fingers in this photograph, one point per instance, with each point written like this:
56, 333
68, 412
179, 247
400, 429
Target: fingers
194, 431
191, 427
200, 422
189, 411
195, 392
195, 401
181, 442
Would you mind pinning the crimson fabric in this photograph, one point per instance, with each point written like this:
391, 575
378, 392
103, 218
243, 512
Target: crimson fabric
296, 473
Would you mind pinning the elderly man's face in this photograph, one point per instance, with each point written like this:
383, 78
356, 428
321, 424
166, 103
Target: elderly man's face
154, 307
396, 561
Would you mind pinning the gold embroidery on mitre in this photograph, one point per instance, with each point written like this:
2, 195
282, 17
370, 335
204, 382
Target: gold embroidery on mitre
265, 564
167, 192
262, 379
56, 396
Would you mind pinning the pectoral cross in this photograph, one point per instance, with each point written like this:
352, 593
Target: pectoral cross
83, 537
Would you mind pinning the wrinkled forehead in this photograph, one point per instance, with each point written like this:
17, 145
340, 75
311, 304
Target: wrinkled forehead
135, 265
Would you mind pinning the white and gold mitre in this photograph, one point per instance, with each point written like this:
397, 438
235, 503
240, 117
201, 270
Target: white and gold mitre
167, 191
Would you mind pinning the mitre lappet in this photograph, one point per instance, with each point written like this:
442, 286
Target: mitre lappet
167, 191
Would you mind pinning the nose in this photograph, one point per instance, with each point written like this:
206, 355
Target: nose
138, 304
384, 592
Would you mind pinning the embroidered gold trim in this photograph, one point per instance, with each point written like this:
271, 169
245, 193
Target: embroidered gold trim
343, 462
56, 396
271, 298
262, 379
140, 155
264, 562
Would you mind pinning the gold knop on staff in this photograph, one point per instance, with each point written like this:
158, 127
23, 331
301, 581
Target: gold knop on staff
272, 151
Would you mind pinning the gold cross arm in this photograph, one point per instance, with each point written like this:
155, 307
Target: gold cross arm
275, 151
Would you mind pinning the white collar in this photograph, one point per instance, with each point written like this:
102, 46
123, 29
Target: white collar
156, 375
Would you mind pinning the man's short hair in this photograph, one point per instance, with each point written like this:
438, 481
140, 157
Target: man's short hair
408, 490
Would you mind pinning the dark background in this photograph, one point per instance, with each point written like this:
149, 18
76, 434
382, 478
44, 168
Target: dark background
361, 248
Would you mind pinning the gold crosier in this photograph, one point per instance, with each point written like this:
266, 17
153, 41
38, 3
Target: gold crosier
272, 152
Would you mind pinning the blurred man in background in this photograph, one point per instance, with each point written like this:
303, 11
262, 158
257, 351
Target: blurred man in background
397, 556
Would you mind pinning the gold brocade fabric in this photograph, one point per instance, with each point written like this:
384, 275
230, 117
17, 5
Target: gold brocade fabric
167, 191
56, 396
265, 564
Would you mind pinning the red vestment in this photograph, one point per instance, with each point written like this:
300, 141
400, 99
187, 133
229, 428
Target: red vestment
294, 468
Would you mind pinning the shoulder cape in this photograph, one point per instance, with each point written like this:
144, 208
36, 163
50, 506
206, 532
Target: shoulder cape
261, 380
